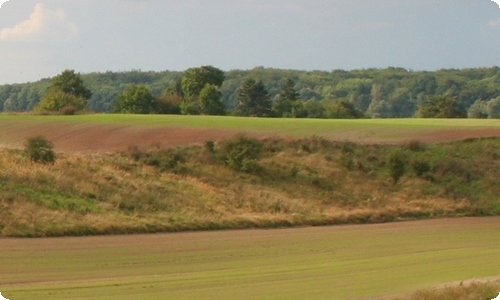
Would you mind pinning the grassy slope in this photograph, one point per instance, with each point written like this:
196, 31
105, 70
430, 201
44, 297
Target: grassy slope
344, 262
303, 182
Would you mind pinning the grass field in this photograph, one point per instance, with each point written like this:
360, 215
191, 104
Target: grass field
343, 262
116, 132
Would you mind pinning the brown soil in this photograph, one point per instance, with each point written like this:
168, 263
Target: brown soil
111, 138
145, 240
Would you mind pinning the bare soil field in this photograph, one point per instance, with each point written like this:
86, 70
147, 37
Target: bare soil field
101, 135
340, 262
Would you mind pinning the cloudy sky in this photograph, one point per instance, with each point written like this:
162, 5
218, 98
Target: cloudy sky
40, 38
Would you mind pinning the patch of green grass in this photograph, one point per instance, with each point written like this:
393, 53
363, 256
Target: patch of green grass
347, 262
360, 129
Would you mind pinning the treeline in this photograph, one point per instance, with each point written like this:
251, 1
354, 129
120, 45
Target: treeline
386, 93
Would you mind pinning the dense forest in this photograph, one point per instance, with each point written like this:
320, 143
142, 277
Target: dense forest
390, 92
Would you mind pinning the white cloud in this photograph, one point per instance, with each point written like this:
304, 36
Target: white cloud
2, 2
42, 25
497, 2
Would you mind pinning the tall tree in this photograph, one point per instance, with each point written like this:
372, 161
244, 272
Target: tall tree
253, 99
71, 83
136, 99
194, 79
66, 92
284, 104
210, 100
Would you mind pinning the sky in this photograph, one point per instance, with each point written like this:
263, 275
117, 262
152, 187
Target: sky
41, 38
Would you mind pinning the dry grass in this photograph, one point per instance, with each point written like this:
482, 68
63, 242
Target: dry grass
471, 290
302, 182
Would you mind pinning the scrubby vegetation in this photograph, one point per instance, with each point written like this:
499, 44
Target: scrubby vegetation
40, 150
473, 290
245, 182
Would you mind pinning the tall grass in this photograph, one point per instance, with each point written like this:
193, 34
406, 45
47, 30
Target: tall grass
309, 181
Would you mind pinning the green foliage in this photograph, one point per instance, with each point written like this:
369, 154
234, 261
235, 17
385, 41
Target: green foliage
59, 101
493, 108
441, 107
478, 110
135, 100
71, 83
396, 164
168, 104
210, 100
287, 101
195, 79
341, 109
165, 160
421, 167
391, 92
40, 150
253, 99
241, 153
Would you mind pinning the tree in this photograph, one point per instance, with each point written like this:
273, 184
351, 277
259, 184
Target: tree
39, 149
283, 106
341, 109
58, 100
71, 83
478, 110
136, 99
493, 108
441, 107
194, 79
210, 100
396, 162
66, 93
168, 103
253, 99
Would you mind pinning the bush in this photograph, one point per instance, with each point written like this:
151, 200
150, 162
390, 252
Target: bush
68, 110
396, 163
57, 100
421, 167
40, 150
415, 146
241, 153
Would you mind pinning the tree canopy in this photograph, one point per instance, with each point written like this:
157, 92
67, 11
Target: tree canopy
135, 100
253, 99
66, 93
71, 83
210, 100
194, 80
441, 107
388, 93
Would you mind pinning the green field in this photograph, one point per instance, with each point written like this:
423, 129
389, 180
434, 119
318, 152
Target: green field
370, 130
343, 262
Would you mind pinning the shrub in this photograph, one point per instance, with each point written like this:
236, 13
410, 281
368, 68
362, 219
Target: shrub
415, 146
165, 160
421, 167
40, 150
396, 163
68, 110
241, 153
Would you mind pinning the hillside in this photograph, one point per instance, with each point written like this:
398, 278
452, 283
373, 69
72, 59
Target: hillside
244, 182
